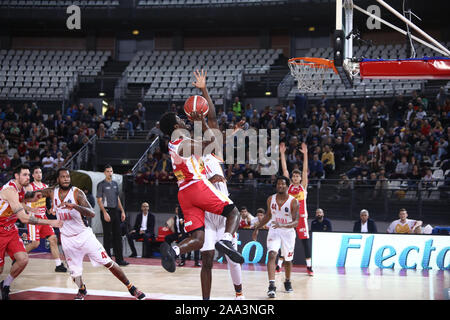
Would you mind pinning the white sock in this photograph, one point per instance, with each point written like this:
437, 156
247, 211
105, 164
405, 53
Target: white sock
308, 262
57, 262
177, 250
227, 236
7, 282
235, 271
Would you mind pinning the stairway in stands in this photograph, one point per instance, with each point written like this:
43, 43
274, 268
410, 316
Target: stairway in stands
258, 85
105, 82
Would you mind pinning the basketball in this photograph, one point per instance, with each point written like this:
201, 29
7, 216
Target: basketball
196, 103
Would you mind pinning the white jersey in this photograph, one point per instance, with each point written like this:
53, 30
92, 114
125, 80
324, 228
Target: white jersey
281, 238
73, 221
214, 224
281, 214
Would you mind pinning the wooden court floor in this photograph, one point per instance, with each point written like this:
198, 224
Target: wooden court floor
40, 282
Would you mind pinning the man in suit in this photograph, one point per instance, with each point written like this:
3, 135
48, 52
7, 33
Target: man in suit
144, 228
365, 224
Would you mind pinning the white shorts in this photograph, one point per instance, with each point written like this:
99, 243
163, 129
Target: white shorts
214, 230
282, 238
76, 247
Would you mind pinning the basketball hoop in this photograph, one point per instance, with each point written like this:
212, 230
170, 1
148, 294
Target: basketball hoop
310, 72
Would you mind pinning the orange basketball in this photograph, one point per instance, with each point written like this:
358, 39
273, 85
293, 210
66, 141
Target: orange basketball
196, 103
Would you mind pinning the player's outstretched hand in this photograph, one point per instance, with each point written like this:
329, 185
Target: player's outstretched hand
217, 178
56, 223
304, 148
196, 116
67, 205
282, 147
200, 79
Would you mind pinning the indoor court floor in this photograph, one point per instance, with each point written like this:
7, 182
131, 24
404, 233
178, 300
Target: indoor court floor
40, 282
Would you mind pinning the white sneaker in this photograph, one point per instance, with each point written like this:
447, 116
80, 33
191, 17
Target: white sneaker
241, 297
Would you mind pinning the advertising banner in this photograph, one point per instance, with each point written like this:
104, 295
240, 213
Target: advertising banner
399, 251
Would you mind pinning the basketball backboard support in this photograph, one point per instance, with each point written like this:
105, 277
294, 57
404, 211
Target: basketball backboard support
348, 66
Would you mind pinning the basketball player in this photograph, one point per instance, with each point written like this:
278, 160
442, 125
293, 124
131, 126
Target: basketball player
196, 194
77, 239
282, 209
11, 209
215, 224
35, 233
298, 189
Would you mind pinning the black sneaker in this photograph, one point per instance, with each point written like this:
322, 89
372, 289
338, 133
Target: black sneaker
197, 264
288, 286
168, 257
61, 268
226, 247
4, 292
81, 294
271, 292
133, 255
309, 271
182, 263
122, 263
136, 293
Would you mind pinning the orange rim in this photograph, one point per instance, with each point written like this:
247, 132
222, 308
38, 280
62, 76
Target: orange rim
313, 62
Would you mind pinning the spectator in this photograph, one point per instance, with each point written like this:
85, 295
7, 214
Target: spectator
155, 132
405, 225
59, 161
365, 224
427, 180
320, 223
48, 163
144, 227
401, 170
316, 167
328, 160
15, 161
5, 162
246, 218
237, 107
260, 213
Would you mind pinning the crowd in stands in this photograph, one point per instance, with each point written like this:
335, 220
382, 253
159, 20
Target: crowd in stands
31, 137
351, 142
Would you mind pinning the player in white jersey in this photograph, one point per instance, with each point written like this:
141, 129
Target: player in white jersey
215, 224
282, 211
214, 229
77, 238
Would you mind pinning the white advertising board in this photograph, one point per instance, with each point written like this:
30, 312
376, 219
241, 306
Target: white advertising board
403, 251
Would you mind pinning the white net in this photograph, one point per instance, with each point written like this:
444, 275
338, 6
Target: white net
310, 73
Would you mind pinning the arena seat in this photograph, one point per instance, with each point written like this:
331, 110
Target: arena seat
173, 69
32, 71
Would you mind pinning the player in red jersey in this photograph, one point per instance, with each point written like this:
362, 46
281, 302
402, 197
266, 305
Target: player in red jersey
36, 232
12, 196
196, 194
298, 189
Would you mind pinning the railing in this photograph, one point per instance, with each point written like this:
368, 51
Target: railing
139, 165
82, 157
338, 199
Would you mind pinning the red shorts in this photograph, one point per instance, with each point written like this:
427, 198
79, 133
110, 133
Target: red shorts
38, 231
10, 243
196, 199
302, 227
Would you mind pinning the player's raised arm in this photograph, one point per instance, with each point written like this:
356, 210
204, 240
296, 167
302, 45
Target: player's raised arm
200, 83
304, 150
283, 160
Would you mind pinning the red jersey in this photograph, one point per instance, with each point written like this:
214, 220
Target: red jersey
300, 194
41, 203
7, 216
187, 170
